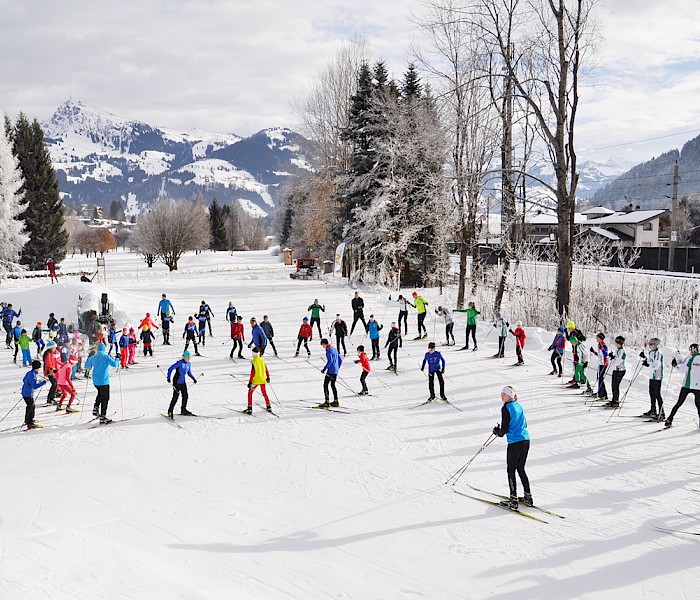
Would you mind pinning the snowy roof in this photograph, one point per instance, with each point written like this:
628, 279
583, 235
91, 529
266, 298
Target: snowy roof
551, 219
635, 217
610, 234
598, 210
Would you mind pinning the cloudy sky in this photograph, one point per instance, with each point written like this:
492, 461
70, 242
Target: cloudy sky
237, 65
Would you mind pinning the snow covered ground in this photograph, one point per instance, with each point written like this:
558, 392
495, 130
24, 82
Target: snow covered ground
328, 505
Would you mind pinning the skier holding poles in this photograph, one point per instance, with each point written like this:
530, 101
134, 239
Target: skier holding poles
316, 309
655, 361
419, 303
259, 376
182, 369
690, 367
520, 337
602, 355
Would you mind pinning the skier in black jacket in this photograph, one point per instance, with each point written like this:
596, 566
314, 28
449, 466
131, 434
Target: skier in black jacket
358, 306
269, 332
340, 329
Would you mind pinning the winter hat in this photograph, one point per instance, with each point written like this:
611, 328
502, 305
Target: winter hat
148, 314
574, 341
256, 351
131, 330
571, 325
414, 294
561, 329
73, 358
38, 323
186, 354
305, 319
619, 340
50, 345
240, 318
601, 336
471, 304
431, 345
654, 341
509, 391
519, 324
498, 315
393, 323
230, 303
693, 348
124, 329
36, 364
324, 342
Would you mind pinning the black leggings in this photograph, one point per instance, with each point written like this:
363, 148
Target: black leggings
338, 341
431, 384
179, 388
602, 392
29, 411
403, 315
655, 395
393, 354
52, 390
303, 340
617, 377
102, 399
421, 323
375, 348
363, 380
681, 399
516, 457
316, 320
359, 316
449, 333
329, 380
501, 346
470, 329
556, 361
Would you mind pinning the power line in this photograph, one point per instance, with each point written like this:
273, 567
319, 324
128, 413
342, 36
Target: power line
651, 139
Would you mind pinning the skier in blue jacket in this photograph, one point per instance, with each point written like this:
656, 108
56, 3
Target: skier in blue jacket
557, 348
99, 364
436, 366
29, 384
373, 328
258, 337
165, 307
514, 426
16, 332
331, 369
8, 315
181, 369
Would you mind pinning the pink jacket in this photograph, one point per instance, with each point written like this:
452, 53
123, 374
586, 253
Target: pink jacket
64, 374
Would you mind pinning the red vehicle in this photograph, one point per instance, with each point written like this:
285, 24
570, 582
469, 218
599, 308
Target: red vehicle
306, 269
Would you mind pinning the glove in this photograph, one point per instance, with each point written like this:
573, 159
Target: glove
323, 371
249, 345
357, 361
510, 331
493, 324
422, 368
495, 430
585, 365
641, 354
168, 379
195, 380
591, 349
507, 324
442, 371
268, 380
674, 363
389, 296
118, 355
250, 386
645, 364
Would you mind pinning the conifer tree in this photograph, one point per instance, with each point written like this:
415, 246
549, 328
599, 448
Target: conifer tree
217, 224
44, 214
12, 236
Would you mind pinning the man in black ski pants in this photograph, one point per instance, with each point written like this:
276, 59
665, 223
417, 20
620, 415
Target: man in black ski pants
340, 328
269, 332
358, 305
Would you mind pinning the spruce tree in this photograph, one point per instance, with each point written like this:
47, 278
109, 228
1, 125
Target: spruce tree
13, 238
217, 224
116, 211
43, 217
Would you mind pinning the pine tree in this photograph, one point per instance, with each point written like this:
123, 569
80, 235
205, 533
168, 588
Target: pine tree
44, 215
12, 236
217, 224
116, 211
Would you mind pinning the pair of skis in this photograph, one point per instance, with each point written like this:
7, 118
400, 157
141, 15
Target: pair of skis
441, 399
513, 510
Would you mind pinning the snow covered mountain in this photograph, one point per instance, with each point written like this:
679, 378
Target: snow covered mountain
592, 175
100, 157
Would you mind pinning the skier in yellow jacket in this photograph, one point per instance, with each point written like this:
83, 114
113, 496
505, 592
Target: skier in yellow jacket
259, 376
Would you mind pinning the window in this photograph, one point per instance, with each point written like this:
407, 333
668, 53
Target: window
648, 226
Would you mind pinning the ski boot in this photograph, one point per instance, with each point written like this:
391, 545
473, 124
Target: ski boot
105, 421
527, 500
612, 404
651, 414
296, 354
661, 417
70, 409
95, 411
58, 407
465, 347
552, 372
248, 410
335, 404
186, 413
268, 408
475, 347
668, 423
511, 503
324, 405
170, 415
431, 399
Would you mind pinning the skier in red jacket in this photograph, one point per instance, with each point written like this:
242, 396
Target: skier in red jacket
238, 336
363, 361
51, 266
520, 336
306, 333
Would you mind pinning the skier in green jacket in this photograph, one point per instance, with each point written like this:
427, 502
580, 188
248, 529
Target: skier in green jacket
419, 303
471, 323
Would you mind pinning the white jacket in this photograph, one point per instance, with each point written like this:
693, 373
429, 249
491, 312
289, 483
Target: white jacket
656, 364
690, 371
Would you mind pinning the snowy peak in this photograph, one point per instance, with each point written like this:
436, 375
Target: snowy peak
100, 156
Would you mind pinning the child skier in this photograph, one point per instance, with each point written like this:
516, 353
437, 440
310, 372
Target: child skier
182, 369
65, 385
31, 382
501, 326
363, 361
618, 370
147, 339
123, 354
99, 364
133, 342
190, 334
38, 339
166, 320
8, 315
339, 328
436, 366
209, 314
655, 361
147, 322
446, 314
393, 342
237, 336
520, 337
50, 370
259, 376
305, 335
514, 426
16, 333
690, 368
330, 370
316, 309
373, 328
24, 342
403, 312
580, 358
471, 324
112, 337
602, 355
269, 332
419, 303
557, 349
202, 327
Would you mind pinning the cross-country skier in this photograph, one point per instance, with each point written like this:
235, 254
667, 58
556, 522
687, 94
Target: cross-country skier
330, 370
112, 337
557, 349
373, 328
358, 314
31, 382
147, 322
99, 364
316, 309
165, 321
580, 357
62, 330
514, 426
147, 338
257, 336
269, 332
403, 312
202, 327
8, 315
208, 312
50, 370
181, 370
231, 313
618, 368
690, 370
65, 384
165, 307
237, 336
420, 303
38, 339
363, 361
393, 342
16, 334
471, 324
133, 342
51, 322
51, 266
304, 336
602, 355
446, 314
501, 326
655, 361
339, 328
123, 351
190, 335
24, 342
436, 367
259, 376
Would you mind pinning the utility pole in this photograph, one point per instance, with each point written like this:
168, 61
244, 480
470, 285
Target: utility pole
674, 204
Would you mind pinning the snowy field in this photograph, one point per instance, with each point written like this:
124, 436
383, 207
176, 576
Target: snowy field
326, 505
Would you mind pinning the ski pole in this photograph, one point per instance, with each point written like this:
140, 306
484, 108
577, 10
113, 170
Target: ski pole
637, 371
462, 469
275, 395
13, 408
121, 396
